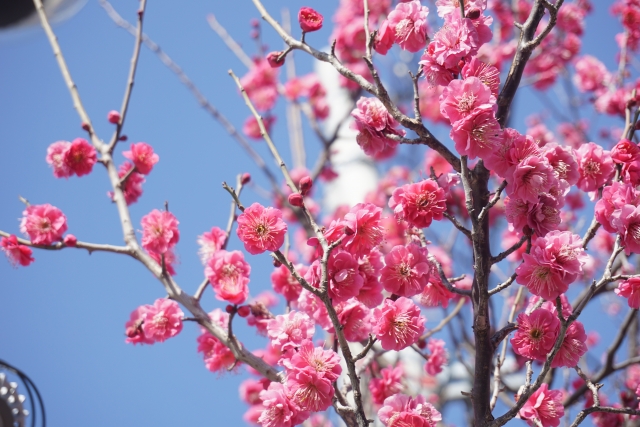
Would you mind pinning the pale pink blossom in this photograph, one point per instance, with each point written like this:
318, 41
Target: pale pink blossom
55, 158
406, 25
250, 390
401, 410
285, 284
457, 39
595, 166
228, 272
15, 252
373, 123
260, 83
279, 409
434, 73
437, 356
142, 156
44, 224
478, 135
162, 320
288, 331
159, 231
310, 390
544, 406
435, 294
537, 333
325, 363
630, 289
210, 242
406, 271
419, 203
462, 97
261, 229
591, 74
133, 327
80, 157
366, 232
399, 323
389, 383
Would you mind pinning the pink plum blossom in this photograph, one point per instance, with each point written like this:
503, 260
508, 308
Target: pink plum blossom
132, 187
406, 270
477, 135
389, 383
537, 333
573, 346
44, 224
210, 242
419, 203
162, 320
288, 331
630, 289
133, 327
531, 177
363, 220
16, 253
406, 25
544, 406
55, 158
399, 323
462, 97
169, 258
310, 390
159, 231
627, 223
261, 229
609, 206
591, 74
285, 284
488, 74
401, 410
457, 39
437, 356
356, 320
142, 156
80, 157
325, 363
279, 408
228, 272
374, 123
343, 273
595, 166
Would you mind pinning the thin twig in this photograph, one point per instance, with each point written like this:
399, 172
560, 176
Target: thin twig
89, 247
444, 321
229, 41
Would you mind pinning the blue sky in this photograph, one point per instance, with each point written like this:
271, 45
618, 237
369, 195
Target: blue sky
62, 319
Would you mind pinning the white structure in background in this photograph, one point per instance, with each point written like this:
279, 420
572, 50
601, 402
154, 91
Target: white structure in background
17, 17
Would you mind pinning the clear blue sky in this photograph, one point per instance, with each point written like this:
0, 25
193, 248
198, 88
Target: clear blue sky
62, 319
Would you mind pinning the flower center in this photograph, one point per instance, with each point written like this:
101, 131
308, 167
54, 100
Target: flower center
592, 169
466, 102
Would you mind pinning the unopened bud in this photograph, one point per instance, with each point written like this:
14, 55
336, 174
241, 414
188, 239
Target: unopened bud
86, 126
140, 13
113, 116
348, 231
305, 184
296, 199
422, 344
637, 126
632, 103
244, 311
473, 14
275, 59
123, 138
276, 263
70, 240
255, 23
229, 308
245, 178
254, 34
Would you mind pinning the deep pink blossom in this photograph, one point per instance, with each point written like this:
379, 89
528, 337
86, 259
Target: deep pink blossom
310, 390
315, 308
55, 157
437, 356
399, 323
17, 253
132, 187
563, 161
457, 39
133, 327
374, 123
446, 7
573, 346
591, 74
216, 355
260, 83
343, 273
261, 229
406, 270
435, 294
44, 224
627, 223
169, 258
356, 320
609, 206
532, 177
142, 156
625, 151
309, 19
288, 331
162, 320
434, 72
159, 231
325, 363
595, 166
419, 203
80, 157
630, 289
250, 390
210, 242
401, 410
537, 333
544, 406
406, 25
477, 135
279, 409
389, 383
366, 232
285, 284
488, 74
228, 273
462, 97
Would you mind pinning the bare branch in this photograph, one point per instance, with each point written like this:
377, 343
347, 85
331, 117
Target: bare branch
89, 247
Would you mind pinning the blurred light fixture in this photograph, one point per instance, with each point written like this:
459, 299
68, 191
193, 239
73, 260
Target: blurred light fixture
16, 15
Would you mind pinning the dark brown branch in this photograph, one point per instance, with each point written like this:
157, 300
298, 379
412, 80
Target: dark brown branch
496, 259
458, 225
583, 414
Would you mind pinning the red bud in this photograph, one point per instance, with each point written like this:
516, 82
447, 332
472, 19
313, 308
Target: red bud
85, 126
305, 184
229, 308
244, 311
296, 199
274, 60
473, 14
113, 116
246, 177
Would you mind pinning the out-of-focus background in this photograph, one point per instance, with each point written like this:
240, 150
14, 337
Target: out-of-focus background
62, 318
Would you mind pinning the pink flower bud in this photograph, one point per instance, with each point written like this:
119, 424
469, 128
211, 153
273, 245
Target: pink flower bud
296, 199
422, 344
254, 22
246, 177
254, 34
114, 117
229, 308
272, 59
70, 240
473, 14
86, 126
305, 184
244, 311
123, 138
276, 263
309, 19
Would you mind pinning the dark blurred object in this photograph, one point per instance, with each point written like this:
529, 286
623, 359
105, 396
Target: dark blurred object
14, 11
